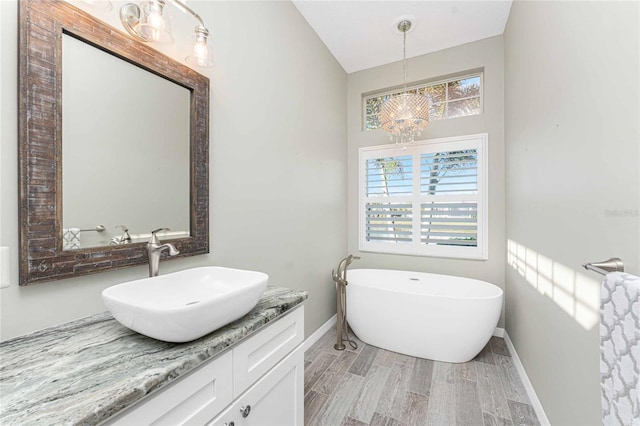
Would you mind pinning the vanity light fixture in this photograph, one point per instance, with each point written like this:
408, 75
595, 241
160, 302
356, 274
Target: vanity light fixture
150, 22
405, 115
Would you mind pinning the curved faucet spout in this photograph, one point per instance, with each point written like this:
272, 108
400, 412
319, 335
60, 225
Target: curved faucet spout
154, 250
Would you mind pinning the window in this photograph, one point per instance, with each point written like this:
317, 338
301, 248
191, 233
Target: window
428, 199
458, 97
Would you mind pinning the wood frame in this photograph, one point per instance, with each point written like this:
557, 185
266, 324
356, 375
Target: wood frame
42, 24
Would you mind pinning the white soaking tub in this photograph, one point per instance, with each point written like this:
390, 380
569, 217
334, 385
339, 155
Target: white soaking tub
438, 317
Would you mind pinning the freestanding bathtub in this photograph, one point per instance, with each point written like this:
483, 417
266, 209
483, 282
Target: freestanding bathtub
438, 317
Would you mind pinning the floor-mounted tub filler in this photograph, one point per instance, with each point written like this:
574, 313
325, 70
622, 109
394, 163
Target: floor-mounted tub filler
438, 317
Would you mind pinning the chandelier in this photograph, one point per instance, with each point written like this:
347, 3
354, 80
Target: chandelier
404, 115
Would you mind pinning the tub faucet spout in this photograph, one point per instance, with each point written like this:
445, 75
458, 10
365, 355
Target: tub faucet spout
154, 250
341, 276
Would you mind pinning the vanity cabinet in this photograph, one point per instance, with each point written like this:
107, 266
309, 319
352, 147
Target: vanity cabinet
259, 381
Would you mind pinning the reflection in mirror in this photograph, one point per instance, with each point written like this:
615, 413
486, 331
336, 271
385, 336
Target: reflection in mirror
125, 149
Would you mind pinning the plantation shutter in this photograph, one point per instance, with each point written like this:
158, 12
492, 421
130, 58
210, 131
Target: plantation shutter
425, 199
389, 178
446, 219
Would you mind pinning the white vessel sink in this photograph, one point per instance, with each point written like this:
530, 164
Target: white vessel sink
183, 306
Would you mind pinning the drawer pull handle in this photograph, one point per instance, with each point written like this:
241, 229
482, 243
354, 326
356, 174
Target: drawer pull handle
245, 411
230, 424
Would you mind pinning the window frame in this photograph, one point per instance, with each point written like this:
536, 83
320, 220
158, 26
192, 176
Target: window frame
480, 74
416, 149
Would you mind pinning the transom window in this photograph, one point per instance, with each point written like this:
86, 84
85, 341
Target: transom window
458, 97
426, 199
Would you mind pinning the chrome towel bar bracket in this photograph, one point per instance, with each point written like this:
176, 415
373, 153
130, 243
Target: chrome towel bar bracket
614, 264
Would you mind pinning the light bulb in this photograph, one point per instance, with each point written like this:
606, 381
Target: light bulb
200, 51
155, 19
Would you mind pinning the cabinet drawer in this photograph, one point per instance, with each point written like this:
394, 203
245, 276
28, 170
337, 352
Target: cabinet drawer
253, 358
193, 399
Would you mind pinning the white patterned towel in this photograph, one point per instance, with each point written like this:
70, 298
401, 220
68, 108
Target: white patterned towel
620, 349
71, 238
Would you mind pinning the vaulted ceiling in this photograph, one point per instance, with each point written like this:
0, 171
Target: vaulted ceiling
363, 34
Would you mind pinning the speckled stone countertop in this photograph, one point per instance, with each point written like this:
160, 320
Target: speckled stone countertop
85, 371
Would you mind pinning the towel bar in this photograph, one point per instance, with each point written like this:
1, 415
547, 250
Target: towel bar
614, 264
98, 228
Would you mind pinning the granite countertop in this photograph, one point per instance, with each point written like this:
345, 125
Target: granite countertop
85, 371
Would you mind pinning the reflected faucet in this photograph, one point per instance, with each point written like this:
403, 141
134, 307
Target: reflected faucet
154, 250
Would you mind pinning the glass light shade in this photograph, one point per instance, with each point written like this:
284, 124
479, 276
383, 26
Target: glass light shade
155, 23
202, 53
404, 116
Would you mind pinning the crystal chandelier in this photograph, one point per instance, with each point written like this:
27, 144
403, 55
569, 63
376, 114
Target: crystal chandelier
405, 115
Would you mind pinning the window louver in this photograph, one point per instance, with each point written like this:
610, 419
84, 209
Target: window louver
453, 224
389, 222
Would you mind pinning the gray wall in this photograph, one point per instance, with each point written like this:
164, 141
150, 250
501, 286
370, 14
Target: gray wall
278, 164
487, 54
572, 137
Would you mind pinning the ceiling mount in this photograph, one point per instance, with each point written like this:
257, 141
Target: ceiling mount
403, 24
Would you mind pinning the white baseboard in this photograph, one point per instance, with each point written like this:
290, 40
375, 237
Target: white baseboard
498, 332
309, 341
535, 402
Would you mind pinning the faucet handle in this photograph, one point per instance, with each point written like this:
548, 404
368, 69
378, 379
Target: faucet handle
154, 238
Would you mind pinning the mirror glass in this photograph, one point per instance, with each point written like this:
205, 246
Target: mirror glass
125, 150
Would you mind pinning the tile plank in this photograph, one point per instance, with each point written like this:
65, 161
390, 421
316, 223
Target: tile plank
406, 359
492, 398
421, 378
491, 420
317, 367
350, 421
414, 410
468, 411
466, 371
380, 420
313, 403
367, 401
324, 344
384, 358
328, 382
442, 402
511, 382
339, 404
364, 360
499, 346
522, 414
392, 399
485, 355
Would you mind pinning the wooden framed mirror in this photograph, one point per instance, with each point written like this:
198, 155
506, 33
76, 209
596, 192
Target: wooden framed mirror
43, 254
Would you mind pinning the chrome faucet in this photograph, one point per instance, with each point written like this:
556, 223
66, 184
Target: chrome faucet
154, 250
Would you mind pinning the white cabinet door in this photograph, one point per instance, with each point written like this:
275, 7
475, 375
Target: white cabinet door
258, 354
274, 400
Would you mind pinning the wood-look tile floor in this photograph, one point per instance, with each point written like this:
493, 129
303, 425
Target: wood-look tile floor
372, 386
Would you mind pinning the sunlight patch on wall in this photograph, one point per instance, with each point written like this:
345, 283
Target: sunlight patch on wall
575, 293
